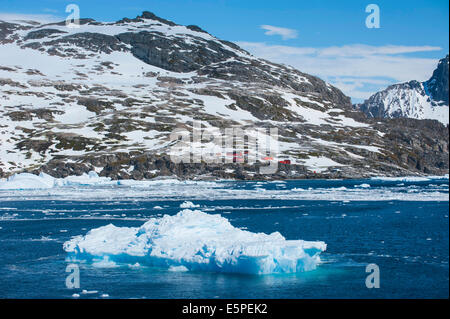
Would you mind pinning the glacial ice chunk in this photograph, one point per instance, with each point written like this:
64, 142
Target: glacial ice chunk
45, 181
28, 181
188, 204
178, 268
411, 178
195, 241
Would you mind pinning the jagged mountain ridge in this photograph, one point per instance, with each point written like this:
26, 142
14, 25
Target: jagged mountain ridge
413, 99
106, 96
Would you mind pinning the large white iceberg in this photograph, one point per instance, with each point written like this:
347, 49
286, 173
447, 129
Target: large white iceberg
198, 242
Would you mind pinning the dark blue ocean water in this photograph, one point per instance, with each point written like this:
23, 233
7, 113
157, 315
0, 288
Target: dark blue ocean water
408, 239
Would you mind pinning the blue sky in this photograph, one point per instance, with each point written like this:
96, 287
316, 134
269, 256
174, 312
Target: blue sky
327, 38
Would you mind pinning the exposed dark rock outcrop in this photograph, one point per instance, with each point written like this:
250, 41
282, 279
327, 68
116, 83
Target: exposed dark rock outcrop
438, 84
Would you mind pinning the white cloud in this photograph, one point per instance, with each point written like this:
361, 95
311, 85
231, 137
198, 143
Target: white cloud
358, 70
50, 10
42, 18
365, 50
285, 33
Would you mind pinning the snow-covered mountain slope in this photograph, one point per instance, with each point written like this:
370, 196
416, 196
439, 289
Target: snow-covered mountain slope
418, 100
106, 97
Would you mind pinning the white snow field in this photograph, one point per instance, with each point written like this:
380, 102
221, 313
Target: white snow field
195, 241
414, 103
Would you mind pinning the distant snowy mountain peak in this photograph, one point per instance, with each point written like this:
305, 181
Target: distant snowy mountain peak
105, 97
418, 100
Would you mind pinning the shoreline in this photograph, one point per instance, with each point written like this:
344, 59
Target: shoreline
92, 175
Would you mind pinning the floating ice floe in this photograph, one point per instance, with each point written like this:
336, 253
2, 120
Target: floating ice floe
195, 241
28, 181
92, 187
24, 181
178, 269
364, 185
45, 181
188, 204
411, 178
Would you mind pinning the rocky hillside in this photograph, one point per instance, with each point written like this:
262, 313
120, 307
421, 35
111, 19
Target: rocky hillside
419, 100
106, 97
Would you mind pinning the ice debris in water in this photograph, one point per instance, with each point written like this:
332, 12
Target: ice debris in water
45, 181
188, 204
195, 241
